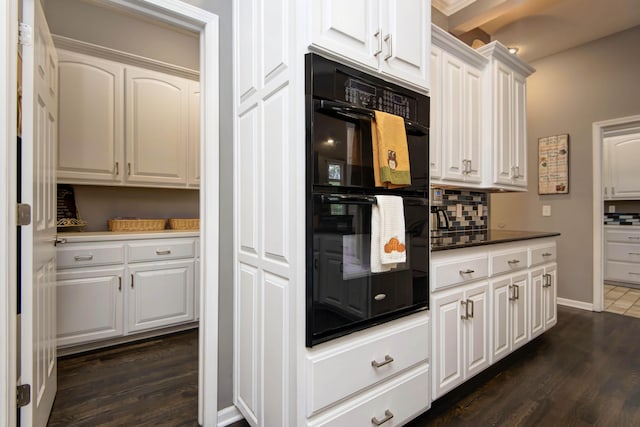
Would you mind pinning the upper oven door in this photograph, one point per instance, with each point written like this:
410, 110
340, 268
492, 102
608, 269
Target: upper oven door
342, 154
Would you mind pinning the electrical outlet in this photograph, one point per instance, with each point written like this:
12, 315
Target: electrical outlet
458, 210
546, 210
612, 208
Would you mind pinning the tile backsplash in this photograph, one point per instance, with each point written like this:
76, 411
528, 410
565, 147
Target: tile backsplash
622, 219
472, 202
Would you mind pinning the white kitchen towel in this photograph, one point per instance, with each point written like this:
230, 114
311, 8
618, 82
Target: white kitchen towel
387, 234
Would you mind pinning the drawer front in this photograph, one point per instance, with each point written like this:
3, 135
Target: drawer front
623, 271
508, 262
623, 252
161, 249
459, 272
344, 370
397, 402
623, 236
88, 255
543, 254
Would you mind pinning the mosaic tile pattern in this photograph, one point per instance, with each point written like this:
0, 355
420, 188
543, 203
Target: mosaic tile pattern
621, 300
622, 219
470, 200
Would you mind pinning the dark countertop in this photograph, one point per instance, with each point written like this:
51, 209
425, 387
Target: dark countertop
455, 240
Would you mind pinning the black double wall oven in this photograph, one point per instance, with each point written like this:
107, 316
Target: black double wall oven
342, 294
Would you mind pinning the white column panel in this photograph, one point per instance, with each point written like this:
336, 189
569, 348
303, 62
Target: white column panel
275, 46
247, 180
247, 341
246, 52
275, 331
276, 156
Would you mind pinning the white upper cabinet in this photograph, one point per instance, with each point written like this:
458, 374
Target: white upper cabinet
156, 121
507, 130
126, 125
621, 172
389, 36
91, 129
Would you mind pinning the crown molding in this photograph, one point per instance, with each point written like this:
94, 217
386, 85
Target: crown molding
449, 7
497, 50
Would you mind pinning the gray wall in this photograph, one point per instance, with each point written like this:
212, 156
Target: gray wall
72, 18
568, 92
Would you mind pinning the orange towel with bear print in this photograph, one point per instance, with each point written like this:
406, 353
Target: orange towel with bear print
390, 151
387, 234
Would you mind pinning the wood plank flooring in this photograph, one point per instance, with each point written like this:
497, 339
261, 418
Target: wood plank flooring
583, 372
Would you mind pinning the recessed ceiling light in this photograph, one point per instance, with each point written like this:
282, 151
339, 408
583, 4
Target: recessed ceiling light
513, 50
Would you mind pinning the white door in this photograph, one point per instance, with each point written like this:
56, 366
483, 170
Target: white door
38, 255
447, 343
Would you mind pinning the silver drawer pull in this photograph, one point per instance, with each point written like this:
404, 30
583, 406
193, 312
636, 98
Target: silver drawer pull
634, 253
467, 271
83, 257
387, 359
513, 261
547, 254
634, 274
387, 416
633, 237
163, 252
380, 297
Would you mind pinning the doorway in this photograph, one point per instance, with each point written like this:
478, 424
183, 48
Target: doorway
601, 131
192, 19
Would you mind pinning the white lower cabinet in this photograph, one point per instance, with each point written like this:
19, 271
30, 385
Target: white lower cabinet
89, 304
460, 335
510, 304
543, 299
108, 288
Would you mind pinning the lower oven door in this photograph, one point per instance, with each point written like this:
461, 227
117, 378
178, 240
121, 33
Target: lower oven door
342, 294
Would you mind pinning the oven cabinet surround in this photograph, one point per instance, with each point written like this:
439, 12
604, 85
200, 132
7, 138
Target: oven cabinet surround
391, 37
112, 285
487, 301
456, 111
622, 253
621, 174
126, 125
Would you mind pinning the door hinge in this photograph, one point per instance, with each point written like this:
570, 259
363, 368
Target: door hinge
23, 397
24, 214
25, 34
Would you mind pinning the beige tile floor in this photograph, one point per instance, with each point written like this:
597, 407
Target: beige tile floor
621, 300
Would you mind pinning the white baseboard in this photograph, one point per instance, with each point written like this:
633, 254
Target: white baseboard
575, 304
228, 416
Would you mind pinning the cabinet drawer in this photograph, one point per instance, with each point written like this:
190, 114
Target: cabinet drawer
543, 254
460, 271
623, 236
399, 400
89, 255
344, 369
507, 262
623, 252
623, 271
156, 250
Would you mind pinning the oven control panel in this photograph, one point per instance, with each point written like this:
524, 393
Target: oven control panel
363, 94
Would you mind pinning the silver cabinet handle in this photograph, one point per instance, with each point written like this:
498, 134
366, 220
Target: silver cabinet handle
512, 292
387, 416
83, 257
634, 274
605, 191
470, 304
633, 237
513, 261
117, 168
547, 254
517, 289
163, 251
131, 280
613, 191
387, 359
129, 168
467, 271
464, 316
378, 36
389, 41
633, 253
119, 283
59, 241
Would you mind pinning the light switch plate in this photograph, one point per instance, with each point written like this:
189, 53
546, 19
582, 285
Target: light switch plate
546, 210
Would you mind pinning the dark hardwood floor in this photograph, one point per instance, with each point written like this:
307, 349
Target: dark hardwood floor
583, 372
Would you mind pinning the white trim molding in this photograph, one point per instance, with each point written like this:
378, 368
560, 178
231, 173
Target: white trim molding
575, 304
449, 7
229, 416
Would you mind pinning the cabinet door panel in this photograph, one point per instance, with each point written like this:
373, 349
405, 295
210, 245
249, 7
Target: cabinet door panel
156, 123
452, 111
501, 345
90, 133
435, 127
536, 317
477, 330
622, 167
519, 311
502, 124
447, 345
89, 305
519, 140
194, 134
473, 123
160, 294
550, 297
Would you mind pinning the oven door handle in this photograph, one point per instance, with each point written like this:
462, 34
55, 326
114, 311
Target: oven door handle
356, 199
343, 109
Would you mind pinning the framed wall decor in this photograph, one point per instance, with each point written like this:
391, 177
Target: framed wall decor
553, 164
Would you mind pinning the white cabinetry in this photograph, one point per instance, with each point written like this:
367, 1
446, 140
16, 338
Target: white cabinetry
622, 252
510, 317
506, 132
621, 172
389, 36
461, 335
126, 125
109, 288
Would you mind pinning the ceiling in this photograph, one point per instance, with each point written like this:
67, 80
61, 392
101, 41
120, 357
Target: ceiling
540, 28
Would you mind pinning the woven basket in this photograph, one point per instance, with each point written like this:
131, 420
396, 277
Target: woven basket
136, 224
184, 223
